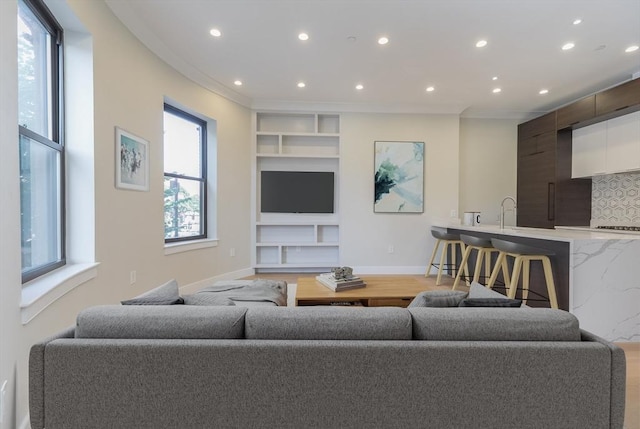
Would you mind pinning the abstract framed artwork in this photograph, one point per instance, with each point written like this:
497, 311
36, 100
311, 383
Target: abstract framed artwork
399, 177
132, 161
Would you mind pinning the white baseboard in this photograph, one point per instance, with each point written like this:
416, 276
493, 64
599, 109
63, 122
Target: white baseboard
194, 287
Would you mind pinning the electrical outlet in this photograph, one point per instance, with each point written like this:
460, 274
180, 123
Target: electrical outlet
232, 252
391, 249
454, 213
132, 277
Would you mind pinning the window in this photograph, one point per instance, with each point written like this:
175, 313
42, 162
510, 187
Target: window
40, 140
185, 176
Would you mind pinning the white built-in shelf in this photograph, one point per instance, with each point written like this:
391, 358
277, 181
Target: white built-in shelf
296, 142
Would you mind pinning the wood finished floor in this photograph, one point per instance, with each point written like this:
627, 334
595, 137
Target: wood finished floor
632, 350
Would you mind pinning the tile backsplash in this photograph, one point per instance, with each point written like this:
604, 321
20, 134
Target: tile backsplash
615, 199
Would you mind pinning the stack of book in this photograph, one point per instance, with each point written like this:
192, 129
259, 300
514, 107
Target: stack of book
337, 285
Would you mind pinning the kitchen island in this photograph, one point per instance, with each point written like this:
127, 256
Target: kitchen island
597, 274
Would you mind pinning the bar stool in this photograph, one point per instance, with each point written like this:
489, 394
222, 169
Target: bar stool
448, 239
485, 249
523, 255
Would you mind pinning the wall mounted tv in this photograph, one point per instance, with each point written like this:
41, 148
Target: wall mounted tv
296, 192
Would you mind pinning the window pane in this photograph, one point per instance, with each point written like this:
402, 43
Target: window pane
34, 73
182, 207
39, 204
181, 146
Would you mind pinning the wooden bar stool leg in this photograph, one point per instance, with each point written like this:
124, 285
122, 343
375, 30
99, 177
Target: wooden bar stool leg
465, 268
505, 271
494, 274
463, 263
525, 279
476, 273
551, 286
442, 256
433, 257
452, 263
487, 263
515, 276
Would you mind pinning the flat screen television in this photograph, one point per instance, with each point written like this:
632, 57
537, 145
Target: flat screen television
296, 192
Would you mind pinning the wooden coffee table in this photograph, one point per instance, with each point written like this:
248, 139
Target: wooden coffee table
397, 291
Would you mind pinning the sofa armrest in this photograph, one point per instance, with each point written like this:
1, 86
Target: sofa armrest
618, 378
36, 377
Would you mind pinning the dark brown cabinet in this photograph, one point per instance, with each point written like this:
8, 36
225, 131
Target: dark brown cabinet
582, 110
618, 98
544, 179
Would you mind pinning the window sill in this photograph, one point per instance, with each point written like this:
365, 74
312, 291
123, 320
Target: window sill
38, 294
186, 246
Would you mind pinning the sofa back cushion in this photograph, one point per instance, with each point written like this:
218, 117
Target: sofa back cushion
494, 324
328, 323
161, 322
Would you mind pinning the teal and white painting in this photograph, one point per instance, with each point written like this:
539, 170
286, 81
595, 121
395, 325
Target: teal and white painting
399, 177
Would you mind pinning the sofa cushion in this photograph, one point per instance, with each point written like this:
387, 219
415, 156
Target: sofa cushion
490, 302
494, 324
161, 322
328, 323
438, 298
166, 294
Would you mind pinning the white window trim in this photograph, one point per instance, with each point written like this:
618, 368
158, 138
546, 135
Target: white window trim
187, 246
40, 293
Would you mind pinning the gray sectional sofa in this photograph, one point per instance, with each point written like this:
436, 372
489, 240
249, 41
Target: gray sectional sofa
184, 366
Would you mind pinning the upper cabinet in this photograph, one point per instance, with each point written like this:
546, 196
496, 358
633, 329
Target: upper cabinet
623, 143
607, 147
582, 110
589, 151
618, 98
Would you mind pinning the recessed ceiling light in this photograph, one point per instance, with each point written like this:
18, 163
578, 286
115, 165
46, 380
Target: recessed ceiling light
496, 90
543, 91
568, 46
303, 36
359, 86
237, 83
430, 89
577, 21
301, 84
383, 41
494, 78
481, 43
215, 32
632, 48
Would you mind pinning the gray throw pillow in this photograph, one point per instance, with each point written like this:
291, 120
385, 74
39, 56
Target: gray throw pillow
438, 298
490, 302
206, 299
479, 291
167, 294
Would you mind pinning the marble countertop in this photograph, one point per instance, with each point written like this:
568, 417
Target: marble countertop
567, 234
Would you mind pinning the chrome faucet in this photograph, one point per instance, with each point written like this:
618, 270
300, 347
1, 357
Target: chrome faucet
502, 210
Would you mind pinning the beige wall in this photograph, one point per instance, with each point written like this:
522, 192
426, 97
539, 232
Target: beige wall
130, 86
488, 160
365, 236
469, 164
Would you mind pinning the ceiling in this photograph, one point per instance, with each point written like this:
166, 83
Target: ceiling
431, 43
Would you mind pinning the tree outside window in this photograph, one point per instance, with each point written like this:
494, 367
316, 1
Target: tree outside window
184, 176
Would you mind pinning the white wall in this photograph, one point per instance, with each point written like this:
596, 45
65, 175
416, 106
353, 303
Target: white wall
488, 161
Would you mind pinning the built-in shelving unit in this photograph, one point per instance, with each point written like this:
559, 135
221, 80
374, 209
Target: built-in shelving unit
296, 142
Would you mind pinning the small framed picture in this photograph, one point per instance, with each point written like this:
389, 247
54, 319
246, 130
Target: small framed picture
132, 161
